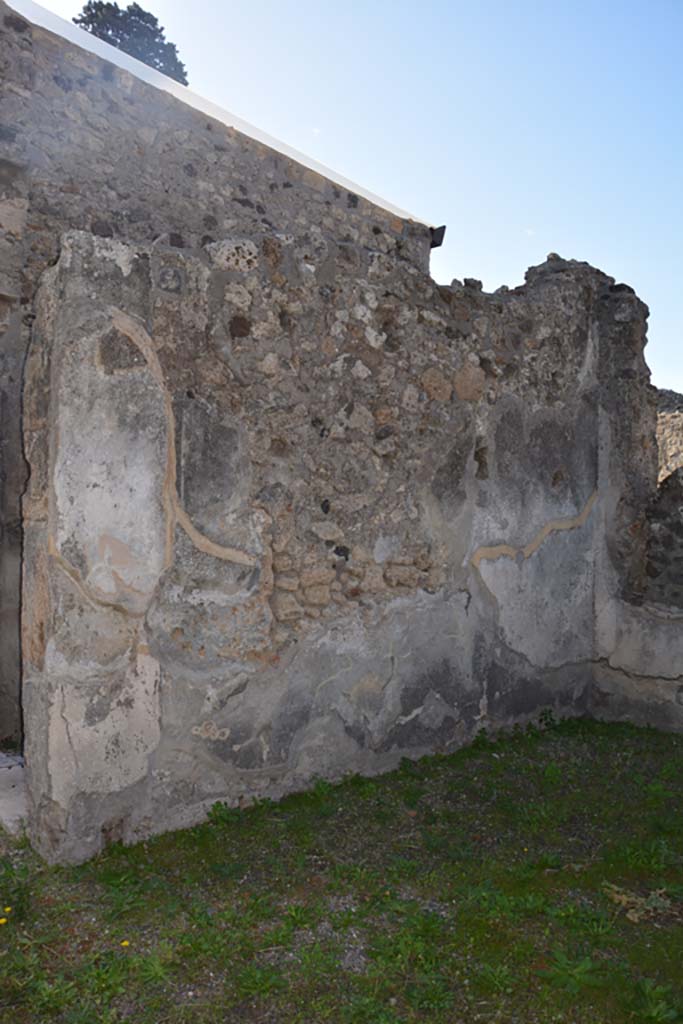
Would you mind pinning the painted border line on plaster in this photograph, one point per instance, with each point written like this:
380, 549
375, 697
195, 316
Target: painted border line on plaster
79, 37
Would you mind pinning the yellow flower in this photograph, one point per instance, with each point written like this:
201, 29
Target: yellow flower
8, 910
125, 942
3, 920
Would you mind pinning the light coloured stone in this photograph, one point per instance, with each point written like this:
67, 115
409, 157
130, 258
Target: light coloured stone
270, 364
327, 531
13, 216
319, 574
319, 595
234, 254
360, 371
411, 398
287, 582
285, 606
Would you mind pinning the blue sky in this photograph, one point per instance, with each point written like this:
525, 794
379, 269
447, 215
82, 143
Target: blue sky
526, 127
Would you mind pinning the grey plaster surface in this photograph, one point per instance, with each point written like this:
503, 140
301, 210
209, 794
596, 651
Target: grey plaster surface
13, 801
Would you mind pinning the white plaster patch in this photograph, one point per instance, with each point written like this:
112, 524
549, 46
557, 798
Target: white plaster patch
109, 516
117, 252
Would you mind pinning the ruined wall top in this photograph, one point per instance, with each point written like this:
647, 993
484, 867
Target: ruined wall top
105, 151
40, 18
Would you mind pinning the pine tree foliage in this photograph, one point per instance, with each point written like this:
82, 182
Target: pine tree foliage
134, 31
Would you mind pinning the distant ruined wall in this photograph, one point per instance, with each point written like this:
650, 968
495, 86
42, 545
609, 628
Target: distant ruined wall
665, 542
664, 568
669, 431
294, 510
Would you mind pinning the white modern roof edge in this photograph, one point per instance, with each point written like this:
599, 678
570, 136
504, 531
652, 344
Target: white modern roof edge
79, 37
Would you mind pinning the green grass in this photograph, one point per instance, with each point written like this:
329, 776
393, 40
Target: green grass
538, 878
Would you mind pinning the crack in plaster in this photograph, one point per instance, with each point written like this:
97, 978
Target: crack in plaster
67, 730
635, 676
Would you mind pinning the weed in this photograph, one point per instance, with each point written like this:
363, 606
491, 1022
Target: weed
155, 968
496, 977
653, 1004
546, 719
368, 1010
429, 993
571, 975
552, 775
221, 814
298, 915
259, 982
15, 888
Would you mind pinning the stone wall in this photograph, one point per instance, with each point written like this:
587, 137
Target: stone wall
294, 510
86, 145
664, 567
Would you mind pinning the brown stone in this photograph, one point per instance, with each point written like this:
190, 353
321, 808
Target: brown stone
282, 562
373, 580
402, 575
469, 383
319, 595
436, 386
